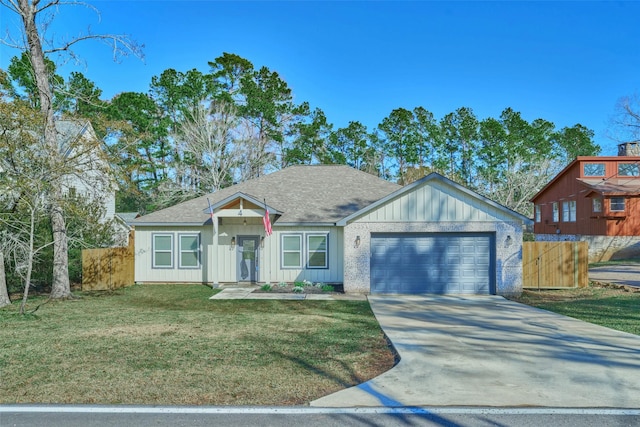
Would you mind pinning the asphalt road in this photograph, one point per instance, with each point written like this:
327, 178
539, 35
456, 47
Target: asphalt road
73, 416
622, 274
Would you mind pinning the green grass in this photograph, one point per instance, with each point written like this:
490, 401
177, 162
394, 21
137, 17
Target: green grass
613, 307
615, 262
170, 344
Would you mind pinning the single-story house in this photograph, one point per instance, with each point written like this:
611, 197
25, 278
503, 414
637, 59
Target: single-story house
335, 224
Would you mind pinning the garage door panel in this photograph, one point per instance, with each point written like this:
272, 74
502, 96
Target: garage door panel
441, 263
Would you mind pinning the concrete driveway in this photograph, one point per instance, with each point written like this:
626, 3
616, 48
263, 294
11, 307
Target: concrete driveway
622, 274
488, 351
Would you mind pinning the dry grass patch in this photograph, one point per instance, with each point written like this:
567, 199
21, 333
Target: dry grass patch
171, 345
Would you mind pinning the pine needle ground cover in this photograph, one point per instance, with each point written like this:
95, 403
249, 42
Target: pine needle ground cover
170, 344
616, 307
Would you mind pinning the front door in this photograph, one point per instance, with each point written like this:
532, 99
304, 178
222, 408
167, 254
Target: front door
248, 258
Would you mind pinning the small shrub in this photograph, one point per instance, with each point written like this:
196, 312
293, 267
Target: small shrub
300, 284
282, 285
298, 289
319, 285
327, 288
266, 287
306, 282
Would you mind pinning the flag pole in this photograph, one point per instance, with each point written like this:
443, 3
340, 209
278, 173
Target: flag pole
213, 224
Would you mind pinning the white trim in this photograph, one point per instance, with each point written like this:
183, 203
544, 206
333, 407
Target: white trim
326, 251
282, 251
153, 250
181, 251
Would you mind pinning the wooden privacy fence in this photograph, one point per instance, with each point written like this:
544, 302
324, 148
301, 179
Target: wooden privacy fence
108, 268
553, 265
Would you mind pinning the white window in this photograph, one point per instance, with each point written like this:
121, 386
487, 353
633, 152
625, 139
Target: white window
617, 204
556, 212
538, 214
596, 204
569, 211
162, 251
317, 251
291, 251
189, 251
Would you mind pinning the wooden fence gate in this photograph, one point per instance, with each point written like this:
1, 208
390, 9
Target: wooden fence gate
108, 268
554, 265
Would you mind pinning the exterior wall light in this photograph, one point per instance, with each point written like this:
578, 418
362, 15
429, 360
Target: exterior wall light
357, 242
233, 242
262, 242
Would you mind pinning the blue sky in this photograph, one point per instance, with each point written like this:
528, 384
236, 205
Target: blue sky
566, 62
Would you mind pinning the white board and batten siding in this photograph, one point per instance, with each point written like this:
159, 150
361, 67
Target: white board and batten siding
144, 270
219, 260
272, 271
434, 202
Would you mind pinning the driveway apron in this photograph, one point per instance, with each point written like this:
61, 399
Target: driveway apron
489, 351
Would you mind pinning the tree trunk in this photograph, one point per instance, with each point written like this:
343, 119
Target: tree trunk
4, 294
60, 288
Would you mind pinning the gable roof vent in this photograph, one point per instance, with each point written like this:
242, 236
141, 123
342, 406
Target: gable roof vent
629, 149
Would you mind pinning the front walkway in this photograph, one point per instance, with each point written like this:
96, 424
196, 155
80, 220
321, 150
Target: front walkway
247, 293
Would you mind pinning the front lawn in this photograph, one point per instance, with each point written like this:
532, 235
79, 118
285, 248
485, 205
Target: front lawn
170, 344
611, 306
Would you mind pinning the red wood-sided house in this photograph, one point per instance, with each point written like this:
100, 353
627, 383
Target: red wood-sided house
592, 196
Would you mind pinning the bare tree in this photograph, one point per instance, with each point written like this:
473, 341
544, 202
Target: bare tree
20, 239
207, 137
35, 16
625, 122
521, 182
254, 152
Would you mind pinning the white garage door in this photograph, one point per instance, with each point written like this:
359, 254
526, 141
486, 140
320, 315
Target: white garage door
439, 263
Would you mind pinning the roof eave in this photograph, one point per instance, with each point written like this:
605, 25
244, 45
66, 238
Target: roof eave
304, 224
169, 224
245, 196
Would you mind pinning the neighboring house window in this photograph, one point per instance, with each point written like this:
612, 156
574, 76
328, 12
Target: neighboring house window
556, 213
162, 251
317, 251
291, 252
593, 169
617, 204
628, 169
597, 204
538, 214
189, 251
569, 211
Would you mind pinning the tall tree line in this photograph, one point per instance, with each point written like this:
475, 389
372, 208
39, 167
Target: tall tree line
195, 132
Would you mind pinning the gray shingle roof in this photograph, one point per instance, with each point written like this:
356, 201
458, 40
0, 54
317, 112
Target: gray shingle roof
304, 194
